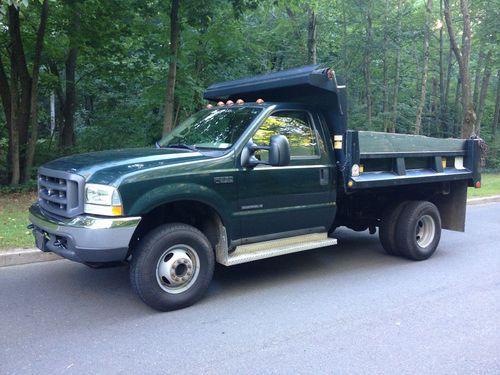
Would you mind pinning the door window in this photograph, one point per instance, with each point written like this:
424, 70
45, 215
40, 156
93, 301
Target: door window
296, 126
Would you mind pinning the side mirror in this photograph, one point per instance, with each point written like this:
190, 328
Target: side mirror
279, 153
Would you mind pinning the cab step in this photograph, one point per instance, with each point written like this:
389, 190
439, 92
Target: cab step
282, 246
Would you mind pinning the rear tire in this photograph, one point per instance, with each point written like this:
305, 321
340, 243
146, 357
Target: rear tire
172, 267
418, 230
387, 228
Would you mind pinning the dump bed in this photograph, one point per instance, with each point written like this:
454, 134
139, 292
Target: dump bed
386, 159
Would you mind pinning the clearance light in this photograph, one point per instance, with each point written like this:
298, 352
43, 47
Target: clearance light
220, 104
350, 184
477, 185
229, 102
443, 162
240, 101
259, 101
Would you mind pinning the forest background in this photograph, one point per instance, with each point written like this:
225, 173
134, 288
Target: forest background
89, 75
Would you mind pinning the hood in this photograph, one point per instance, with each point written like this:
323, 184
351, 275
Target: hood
106, 166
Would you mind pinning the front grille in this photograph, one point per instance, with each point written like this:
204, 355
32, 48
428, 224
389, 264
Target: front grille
60, 192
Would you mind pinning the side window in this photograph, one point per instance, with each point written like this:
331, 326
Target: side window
296, 126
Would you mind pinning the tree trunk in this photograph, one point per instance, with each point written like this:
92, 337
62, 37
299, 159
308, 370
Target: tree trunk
418, 121
367, 63
311, 37
386, 88
458, 112
442, 103
497, 109
446, 112
30, 150
14, 133
172, 68
463, 58
20, 94
434, 107
397, 68
67, 136
477, 78
484, 92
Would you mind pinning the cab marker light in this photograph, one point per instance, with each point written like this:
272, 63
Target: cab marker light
209, 106
240, 101
229, 102
259, 101
220, 104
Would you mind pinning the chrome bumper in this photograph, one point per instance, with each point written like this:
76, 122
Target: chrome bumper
83, 238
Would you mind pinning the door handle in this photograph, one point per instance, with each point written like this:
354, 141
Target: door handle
324, 176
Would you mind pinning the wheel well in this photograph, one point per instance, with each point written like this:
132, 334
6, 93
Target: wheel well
198, 214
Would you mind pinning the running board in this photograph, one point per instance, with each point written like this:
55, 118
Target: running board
274, 248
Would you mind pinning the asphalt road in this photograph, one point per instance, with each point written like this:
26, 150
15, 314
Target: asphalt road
341, 310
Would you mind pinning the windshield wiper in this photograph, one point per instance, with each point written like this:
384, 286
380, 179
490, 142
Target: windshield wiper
182, 145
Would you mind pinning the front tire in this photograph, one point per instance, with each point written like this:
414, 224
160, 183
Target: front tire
418, 230
172, 267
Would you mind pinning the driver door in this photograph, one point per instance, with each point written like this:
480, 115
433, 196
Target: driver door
291, 200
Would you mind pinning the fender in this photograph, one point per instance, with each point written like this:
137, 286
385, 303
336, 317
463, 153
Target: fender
174, 192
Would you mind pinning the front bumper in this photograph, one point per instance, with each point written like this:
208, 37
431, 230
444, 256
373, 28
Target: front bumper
83, 238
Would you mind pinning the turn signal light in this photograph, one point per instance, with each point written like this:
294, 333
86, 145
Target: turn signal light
117, 210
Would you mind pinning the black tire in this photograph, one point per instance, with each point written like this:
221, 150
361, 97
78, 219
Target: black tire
167, 243
387, 227
418, 230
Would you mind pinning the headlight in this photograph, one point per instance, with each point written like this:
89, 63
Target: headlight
102, 200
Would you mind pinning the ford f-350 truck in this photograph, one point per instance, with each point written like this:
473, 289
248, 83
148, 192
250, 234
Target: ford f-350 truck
269, 169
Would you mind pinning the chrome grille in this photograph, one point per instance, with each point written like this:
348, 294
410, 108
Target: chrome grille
60, 192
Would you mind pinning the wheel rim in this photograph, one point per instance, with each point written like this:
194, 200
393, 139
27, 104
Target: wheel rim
425, 231
177, 269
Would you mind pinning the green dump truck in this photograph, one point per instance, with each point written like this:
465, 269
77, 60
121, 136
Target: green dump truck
270, 169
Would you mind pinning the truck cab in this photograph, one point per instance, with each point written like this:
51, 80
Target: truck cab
268, 169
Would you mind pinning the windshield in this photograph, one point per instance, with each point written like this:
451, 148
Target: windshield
215, 128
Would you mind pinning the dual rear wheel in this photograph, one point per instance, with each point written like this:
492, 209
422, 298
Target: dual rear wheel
411, 229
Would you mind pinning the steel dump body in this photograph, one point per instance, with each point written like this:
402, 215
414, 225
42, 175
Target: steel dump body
397, 159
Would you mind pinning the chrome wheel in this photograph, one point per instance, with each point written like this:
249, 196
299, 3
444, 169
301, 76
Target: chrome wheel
177, 269
425, 231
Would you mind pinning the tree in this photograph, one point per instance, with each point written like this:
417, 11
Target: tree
20, 93
484, 91
425, 68
172, 67
462, 55
397, 69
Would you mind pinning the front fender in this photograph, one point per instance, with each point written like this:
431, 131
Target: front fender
177, 192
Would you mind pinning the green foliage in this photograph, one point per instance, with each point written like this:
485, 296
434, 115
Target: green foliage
123, 61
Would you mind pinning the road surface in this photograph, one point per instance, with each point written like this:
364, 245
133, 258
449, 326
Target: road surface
345, 309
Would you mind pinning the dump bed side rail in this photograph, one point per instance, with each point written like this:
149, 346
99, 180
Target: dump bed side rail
377, 159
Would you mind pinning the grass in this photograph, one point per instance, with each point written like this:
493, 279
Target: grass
14, 212
13, 221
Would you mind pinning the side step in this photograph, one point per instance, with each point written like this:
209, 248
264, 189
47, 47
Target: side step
273, 248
